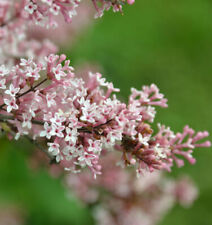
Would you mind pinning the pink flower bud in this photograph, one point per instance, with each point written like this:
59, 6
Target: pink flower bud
130, 2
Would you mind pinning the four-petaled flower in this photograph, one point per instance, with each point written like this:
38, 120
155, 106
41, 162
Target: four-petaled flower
11, 104
34, 73
30, 8
12, 90
57, 130
54, 148
58, 72
71, 135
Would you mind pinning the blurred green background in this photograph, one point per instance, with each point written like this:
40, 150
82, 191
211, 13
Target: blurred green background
166, 42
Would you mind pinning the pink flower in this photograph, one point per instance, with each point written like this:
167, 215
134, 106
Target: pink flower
58, 72
12, 90
57, 130
50, 99
47, 132
34, 73
143, 140
130, 2
30, 8
71, 135
53, 148
55, 9
11, 104
57, 119
25, 62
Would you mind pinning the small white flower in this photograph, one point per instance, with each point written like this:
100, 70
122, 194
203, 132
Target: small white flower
26, 62
11, 104
53, 148
58, 72
88, 117
143, 140
55, 9
160, 154
57, 130
30, 8
12, 90
85, 159
94, 146
71, 135
47, 132
34, 73
57, 119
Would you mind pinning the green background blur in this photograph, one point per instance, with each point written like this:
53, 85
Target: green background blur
166, 42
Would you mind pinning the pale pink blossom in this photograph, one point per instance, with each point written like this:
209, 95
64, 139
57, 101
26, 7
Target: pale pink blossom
11, 104
57, 130
47, 132
53, 148
50, 99
71, 135
12, 91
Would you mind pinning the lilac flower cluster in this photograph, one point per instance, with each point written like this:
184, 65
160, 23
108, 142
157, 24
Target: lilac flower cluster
18, 16
40, 12
44, 12
78, 119
118, 198
15, 44
79, 122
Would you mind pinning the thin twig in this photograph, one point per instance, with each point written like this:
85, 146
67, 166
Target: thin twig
26, 92
4, 118
51, 157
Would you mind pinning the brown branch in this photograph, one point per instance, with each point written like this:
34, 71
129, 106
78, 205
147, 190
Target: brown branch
51, 157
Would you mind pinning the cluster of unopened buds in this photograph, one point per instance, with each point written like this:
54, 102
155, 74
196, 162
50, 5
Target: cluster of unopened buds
78, 119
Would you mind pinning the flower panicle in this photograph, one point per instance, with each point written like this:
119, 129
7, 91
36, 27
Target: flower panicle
77, 119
